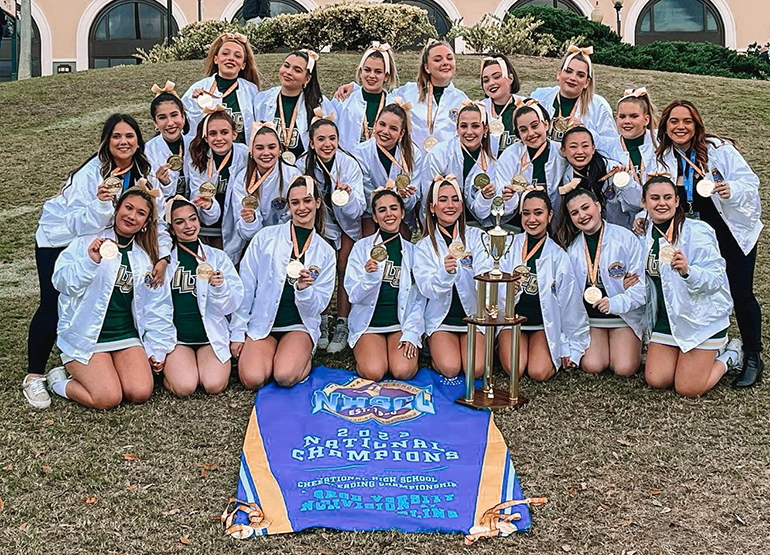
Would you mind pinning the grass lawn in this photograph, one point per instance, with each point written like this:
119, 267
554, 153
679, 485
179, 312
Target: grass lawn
627, 469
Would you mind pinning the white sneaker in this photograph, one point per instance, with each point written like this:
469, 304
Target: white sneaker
323, 341
733, 366
340, 340
56, 375
34, 391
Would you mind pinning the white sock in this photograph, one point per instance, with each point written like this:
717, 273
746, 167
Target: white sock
728, 358
60, 388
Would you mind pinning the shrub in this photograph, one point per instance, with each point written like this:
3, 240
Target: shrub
513, 35
562, 25
345, 26
685, 57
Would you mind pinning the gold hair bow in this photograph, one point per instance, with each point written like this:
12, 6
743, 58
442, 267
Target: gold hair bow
382, 48
170, 203
499, 61
312, 58
309, 183
390, 185
256, 126
208, 110
319, 115
530, 103
167, 88
142, 185
238, 37
659, 174
586, 52
571, 185
449, 178
480, 105
406, 106
641, 91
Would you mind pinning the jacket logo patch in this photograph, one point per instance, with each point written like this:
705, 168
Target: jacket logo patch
184, 281
392, 274
125, 280
617, 270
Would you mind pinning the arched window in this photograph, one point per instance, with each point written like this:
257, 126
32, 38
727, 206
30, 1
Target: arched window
436, 14
561, 4
277, 7
690, 20
5, 50
122, 27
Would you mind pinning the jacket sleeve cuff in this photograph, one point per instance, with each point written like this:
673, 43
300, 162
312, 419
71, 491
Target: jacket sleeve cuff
411, 337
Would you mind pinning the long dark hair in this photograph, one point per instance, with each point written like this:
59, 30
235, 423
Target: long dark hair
566, 230
594, 171
406, 140
431, 220
168, 97
515, 84
199, 146
485, 137
542, 195
147, 237
523, 110
311, 157
320, 213
251, 164
312, 90
679, 217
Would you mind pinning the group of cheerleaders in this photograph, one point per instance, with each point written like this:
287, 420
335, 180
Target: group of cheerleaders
225, 236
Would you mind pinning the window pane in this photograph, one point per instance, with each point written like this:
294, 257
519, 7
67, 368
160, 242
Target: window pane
277, 7
101, 62
122, 24
101, 29
123, 62
711, 22
152, 24
644, 27
678, 16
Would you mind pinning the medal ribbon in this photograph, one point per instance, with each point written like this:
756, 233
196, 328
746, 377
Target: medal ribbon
445, 232
201, 257
383, 243
525, 256
117, 242
254, 184
366, 123
336, 169
297, 254
483, 164
524, 163
287, 131
225, 160
492, 107
593, 265
429, 116
669, 234
117, 172
638, 178
558, 108
687, 176
224, 94
389, 156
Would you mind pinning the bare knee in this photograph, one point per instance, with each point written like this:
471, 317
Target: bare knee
373, 370
106, 400
593, 365
403, 368
138, 394
689, 390
214, 386
658, 381
541, 373
252, 378
447, 368
287, 377
625, 368
182, 387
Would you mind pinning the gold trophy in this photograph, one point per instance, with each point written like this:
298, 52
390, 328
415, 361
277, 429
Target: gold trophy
488, 316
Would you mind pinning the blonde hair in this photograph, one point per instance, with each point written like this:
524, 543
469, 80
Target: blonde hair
391, 78
250, 72
423, 77
648, 108
587, 94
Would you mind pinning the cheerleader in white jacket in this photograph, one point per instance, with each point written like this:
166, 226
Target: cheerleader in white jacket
500, 83
611, 182
637, 125
205, 290
291, 106
556, 332
259, 189
446, 260
468, 156
168, 150
232, 82
114, 328
288, 275
214, 162
535, 160
609, 261
390, 154
573, 100
688, 299
386, 318
358, 112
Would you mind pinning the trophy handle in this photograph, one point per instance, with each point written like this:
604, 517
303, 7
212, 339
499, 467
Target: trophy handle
507, 244
487, 247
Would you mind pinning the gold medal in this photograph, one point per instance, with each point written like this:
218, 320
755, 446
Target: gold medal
175, 162
480, 181
204, 101
340, 197
208, 189
621, 179
114, 185
293, 269
379, 253
288, 157
496, 127
402, 181
456, 249
666, 254
204, 271
519, 182
521, 271
250, 202
593, 295
109, 249
429, 143
561, 124
705, 187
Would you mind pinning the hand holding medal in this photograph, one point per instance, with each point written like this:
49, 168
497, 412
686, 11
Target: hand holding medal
203, 202
679, 262
94, 250
341, 195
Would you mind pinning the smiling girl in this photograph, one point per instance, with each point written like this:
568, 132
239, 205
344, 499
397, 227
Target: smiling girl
500, 83
168, 150
638, 127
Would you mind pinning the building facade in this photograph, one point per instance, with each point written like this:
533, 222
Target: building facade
75, 35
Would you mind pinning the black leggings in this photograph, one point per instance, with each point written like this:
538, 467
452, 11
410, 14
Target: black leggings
740, 274
42, 329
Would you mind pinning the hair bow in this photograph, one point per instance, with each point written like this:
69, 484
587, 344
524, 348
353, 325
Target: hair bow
167, 88
238, 37
256, 126
499, 61
406, 106
390, 185
319, 115
633, 93
312, 58
526, 190
586, 52
170, 203
659, 174
382, 48
479, 105
530, 103
571, 185
208, 111
142, 186
309, 183
449, 178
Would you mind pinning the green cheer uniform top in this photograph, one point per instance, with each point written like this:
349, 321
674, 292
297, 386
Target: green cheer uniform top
386, 309
384, 160
438, 93
187, 317
593, 243
633, 146
233, 107
529, 300
119, 322
289, 103
221, 194
653, 272
177, 148
287, 314
372, 108
456, 311
538, 164
505, 114
469, 160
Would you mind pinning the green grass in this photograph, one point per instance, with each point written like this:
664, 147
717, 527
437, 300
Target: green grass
595, 445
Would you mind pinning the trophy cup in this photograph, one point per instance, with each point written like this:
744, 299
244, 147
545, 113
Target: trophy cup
488, 316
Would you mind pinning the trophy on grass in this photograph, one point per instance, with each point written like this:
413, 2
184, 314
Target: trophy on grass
488, 316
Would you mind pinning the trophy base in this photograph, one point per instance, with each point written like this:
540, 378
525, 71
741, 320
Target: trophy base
500, 399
